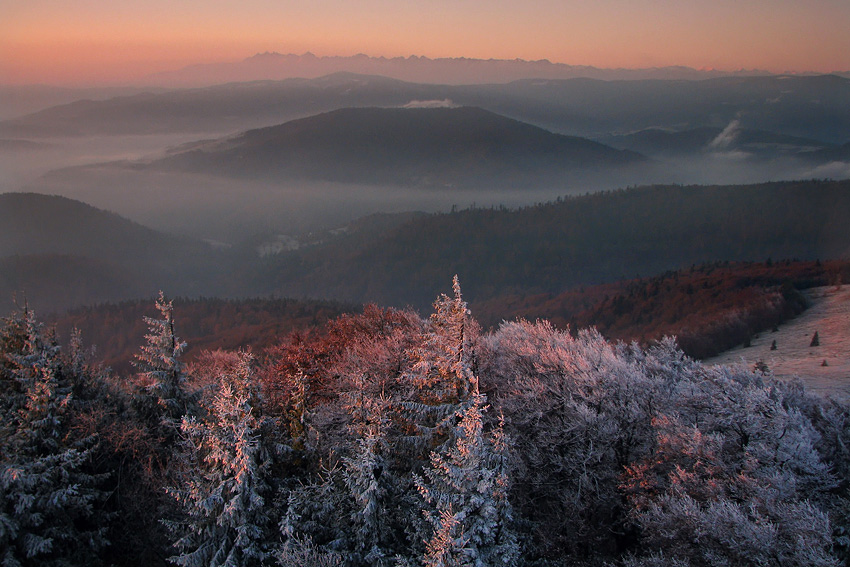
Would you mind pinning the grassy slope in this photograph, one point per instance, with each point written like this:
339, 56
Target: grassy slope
829, 316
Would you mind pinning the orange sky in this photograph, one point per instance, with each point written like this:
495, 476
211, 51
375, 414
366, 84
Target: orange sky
85, 41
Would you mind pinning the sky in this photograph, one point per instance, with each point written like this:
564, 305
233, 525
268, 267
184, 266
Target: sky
118, 41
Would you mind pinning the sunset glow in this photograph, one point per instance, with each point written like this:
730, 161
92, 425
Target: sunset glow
97, 41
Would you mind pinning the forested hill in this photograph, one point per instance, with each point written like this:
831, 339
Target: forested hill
440, 147
58, 252
591, 239
48, 224
115, 329
548, 248
709, 308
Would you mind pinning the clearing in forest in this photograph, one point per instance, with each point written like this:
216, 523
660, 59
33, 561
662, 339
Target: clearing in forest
824, 368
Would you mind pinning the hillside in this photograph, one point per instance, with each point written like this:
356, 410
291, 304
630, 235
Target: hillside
404, 260
401, 146
116, 330
747, 142
710, 308
793, 355
577, 241
31, 223
57, 252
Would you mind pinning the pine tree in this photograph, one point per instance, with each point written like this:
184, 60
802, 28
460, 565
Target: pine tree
225, 493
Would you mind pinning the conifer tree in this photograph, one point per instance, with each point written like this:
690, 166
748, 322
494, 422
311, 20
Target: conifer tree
443, 373
367, 474
467, 491
47, 499
13, 338
465, 486
225, 493
445, 364
162, 375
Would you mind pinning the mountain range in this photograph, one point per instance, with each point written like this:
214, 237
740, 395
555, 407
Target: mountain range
812, 107
457, 70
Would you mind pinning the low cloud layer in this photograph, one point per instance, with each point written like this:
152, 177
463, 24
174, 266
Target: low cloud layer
444, 103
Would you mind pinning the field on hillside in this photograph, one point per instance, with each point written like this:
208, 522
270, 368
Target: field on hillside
829, 316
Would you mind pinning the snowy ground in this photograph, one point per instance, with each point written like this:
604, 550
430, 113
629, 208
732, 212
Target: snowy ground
829, 315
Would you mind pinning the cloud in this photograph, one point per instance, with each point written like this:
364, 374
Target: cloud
727, 137
832, 170
445, 103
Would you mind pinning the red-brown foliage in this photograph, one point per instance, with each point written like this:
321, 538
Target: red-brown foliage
118, 330
710, 308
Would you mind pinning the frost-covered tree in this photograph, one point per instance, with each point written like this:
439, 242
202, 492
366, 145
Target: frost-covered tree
695, 505
48, 500
13, 339
466, 489
318, 509
367, 473
577, 409
161, 373
443, 373
465, 485
225, 492
299, 552
444, 369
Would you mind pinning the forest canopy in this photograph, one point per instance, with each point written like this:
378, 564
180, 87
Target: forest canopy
381, 438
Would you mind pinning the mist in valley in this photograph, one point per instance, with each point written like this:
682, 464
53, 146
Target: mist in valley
271, 205
100, 171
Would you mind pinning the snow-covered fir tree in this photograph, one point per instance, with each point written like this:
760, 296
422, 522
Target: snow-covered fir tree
225, 492
48, 501
367, 474
443, 371
466, 489
161, 373
465, 486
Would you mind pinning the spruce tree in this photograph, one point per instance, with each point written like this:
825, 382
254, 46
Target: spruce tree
466, 489
443, 373
367, 475
465, 485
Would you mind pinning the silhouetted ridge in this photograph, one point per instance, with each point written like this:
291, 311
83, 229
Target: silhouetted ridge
31, 223
58, 252
410, 146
